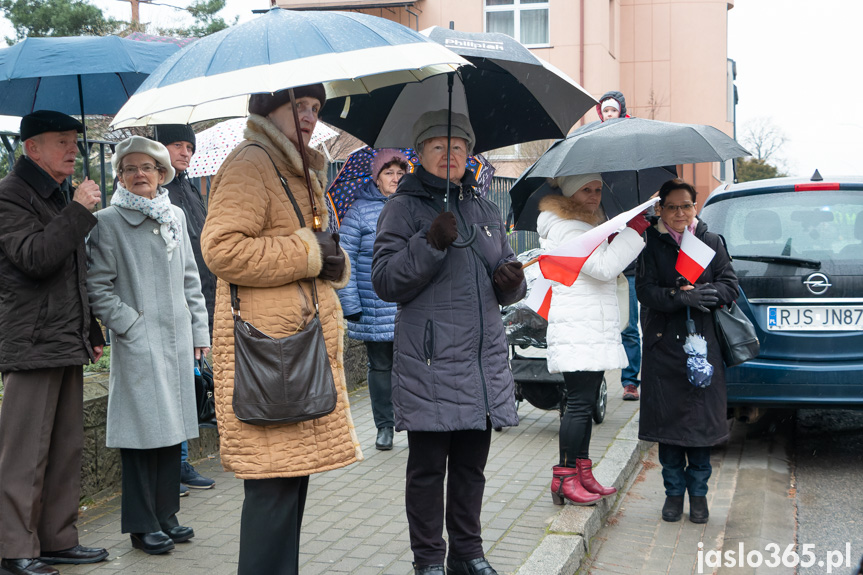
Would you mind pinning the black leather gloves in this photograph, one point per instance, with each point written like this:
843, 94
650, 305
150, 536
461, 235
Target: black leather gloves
443, 231
333, 257
508, 276
702, 296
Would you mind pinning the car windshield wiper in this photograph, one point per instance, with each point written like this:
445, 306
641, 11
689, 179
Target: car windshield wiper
787, 260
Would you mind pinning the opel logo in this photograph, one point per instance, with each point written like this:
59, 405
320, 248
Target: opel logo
817, 283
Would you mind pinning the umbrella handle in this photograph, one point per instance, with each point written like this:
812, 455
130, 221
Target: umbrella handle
471, 238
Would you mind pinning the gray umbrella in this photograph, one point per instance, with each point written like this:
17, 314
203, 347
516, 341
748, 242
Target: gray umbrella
618, 145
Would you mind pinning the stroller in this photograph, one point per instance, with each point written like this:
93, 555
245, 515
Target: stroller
525, 333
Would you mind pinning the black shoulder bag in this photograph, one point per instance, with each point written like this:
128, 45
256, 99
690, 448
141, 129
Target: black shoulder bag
286, 380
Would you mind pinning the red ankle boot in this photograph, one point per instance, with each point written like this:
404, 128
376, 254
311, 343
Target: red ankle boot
588, 481
565, 486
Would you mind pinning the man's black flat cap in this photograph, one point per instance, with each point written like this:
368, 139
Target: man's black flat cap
42, 121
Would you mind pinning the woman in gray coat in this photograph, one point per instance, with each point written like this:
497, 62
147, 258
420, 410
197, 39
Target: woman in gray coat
143, 284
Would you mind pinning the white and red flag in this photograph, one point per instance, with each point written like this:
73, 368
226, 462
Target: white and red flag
694, 256
564, 263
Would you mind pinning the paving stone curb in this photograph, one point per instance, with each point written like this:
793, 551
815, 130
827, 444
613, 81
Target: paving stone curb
568, 538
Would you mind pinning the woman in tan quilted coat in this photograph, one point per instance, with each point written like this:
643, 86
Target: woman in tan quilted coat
253, 238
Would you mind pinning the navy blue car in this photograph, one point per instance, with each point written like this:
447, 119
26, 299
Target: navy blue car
797, 248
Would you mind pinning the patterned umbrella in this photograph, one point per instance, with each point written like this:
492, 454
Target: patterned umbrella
216, 143
356, 174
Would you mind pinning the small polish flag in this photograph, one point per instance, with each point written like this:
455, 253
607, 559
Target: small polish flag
694, 256
564, 263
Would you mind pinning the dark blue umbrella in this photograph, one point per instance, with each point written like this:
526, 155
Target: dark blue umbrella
79, 75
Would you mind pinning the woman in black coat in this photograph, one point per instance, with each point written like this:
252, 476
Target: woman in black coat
685, 420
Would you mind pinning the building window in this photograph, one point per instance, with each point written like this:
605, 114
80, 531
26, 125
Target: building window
524, 20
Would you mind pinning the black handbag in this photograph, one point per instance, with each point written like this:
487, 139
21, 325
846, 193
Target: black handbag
286, 380
204, 397
736, 334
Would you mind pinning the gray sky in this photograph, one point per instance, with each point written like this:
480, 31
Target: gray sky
797, 65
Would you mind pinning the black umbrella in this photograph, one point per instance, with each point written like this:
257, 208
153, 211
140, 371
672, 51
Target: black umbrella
626, 144
509, 95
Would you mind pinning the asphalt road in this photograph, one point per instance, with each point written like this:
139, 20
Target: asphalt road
827, 462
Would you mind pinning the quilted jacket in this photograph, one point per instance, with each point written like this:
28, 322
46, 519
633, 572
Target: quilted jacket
358, 231
584, 319
450, 368
253, 239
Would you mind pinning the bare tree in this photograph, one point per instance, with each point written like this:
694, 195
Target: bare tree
654, 103
764, 139
529, 152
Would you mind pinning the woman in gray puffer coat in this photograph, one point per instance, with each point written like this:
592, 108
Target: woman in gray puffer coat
451, 378
370, 319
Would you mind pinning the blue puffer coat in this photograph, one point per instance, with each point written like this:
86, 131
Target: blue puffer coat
358, 239
450, 368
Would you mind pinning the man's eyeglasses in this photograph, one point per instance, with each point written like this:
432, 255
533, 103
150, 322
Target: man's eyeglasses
672, 208
146, 169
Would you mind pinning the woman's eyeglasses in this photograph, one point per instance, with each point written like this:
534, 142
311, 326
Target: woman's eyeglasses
684, 208
146, 169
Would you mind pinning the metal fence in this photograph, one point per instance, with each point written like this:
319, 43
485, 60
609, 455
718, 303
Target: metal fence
499, 194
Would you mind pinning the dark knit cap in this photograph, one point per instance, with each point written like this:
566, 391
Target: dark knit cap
42, 121
167, 134
263, 104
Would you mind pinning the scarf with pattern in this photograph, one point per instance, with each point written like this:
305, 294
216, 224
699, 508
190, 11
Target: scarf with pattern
159, 209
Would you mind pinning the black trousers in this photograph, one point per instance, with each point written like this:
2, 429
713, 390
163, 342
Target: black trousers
151, 489
270, 525
380, 381
461, 456
581, 388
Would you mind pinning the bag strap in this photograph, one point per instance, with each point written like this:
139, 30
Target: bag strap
235, 299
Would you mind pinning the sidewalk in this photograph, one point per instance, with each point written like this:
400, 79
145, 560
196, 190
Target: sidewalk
355, 520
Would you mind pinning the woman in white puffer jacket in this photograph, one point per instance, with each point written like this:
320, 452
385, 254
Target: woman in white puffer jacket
583, 325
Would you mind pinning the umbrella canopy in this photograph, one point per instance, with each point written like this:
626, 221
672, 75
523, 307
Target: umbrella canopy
356, 173
509, 95
44, 73
624, 144
214, 144
351, 53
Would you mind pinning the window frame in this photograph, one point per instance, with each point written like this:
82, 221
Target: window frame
516, 8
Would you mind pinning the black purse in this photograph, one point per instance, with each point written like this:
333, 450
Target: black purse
736, 334
286, 380
204, 397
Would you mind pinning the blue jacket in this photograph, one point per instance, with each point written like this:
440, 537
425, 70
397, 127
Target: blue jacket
358, 239
450, 368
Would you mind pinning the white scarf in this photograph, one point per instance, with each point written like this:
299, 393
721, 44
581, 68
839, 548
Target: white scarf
159, 209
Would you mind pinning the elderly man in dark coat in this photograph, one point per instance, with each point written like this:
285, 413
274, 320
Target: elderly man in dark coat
451, 379
179, 139
46, 334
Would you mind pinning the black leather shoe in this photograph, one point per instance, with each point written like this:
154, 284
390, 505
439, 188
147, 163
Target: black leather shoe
180, 534
478, 566
28, 567
428, 569
673, 509
152, 543
384, 442
698, 511
77, 555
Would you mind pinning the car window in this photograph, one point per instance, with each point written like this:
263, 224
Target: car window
823, 226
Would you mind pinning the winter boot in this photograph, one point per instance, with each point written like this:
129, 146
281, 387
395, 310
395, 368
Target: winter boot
588, 481
673, 509
698, 512
565, 486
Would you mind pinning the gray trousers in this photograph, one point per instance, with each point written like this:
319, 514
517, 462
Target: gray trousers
41, 440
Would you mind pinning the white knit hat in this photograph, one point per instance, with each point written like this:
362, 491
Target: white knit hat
610, 102
142, 145
570, 184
